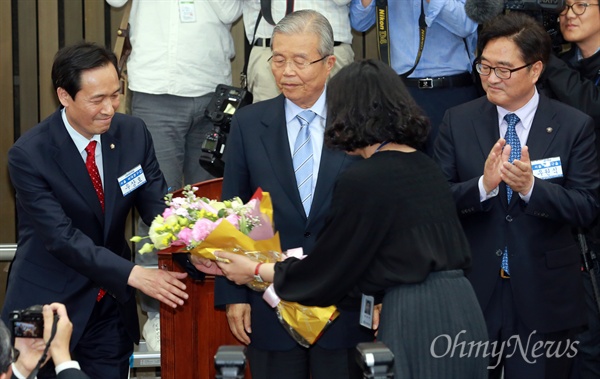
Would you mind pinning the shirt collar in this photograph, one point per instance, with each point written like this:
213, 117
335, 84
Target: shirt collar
292, 110
80, 141
525, 113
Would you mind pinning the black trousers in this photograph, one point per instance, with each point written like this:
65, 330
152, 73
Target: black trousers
554, 359
302, 363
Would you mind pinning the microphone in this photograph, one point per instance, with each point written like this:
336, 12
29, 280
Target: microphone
482, 11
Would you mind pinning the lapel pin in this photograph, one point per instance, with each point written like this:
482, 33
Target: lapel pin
548, 130
112, 145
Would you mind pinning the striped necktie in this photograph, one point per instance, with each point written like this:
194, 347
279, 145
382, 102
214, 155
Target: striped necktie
303, 159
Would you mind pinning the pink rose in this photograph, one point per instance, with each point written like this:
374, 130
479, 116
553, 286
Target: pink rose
202, 229
185, 236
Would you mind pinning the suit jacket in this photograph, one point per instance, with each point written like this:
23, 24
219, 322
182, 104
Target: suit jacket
258, 155
544, 258
67, 247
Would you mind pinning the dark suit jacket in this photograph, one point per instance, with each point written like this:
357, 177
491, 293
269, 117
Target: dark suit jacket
544, 258
258, 155
67, 248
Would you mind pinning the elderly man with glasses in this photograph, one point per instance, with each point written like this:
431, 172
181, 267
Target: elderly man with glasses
277, 145
523, 171
574, 79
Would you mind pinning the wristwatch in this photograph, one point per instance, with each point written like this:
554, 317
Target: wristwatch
257, 276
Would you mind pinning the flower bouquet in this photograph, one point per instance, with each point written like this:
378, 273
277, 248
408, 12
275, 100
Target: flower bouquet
202, 226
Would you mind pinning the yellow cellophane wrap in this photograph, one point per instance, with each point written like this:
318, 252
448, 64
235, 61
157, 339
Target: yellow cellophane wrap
305, 324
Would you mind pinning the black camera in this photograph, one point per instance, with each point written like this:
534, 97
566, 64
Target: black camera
545, 12
222, 106
535, 5
376, 360
230, 362
28, 323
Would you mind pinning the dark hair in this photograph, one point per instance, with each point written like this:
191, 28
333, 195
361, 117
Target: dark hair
71, 61
367, 103
5, 348
531, 39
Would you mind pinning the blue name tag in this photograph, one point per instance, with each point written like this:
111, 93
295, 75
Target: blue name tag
547, 168
131, 180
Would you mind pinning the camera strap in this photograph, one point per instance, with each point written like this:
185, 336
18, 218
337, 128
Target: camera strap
383, 34
42, 360
265, 8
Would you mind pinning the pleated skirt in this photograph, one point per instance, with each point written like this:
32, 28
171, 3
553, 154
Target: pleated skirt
435, 329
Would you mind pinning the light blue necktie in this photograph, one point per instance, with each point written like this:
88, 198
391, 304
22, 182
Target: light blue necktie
512, 139
303, 159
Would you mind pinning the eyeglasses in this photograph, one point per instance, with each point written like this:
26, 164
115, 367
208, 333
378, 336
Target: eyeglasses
501, 72
297, 63
577, 8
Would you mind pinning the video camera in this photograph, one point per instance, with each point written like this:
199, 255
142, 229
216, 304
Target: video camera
28, 323
554, 6
544, 11
222, 106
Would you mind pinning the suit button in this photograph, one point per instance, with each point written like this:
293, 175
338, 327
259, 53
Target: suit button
307, 234
499, 253
509, 218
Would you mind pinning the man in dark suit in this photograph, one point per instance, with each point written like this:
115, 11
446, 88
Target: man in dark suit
520, 184
28, 351
260, 149
72, 204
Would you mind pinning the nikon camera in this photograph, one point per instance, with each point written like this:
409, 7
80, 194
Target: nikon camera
28, 323
220, 110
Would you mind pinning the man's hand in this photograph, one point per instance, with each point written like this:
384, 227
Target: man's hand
165, 286
238, 317
59, 347
376, 314
491, 171
30, 352
519, 175
205, 265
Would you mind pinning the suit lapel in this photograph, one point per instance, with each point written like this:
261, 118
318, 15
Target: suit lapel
70, 162
329, 168
276, 143
110, 160
543, 129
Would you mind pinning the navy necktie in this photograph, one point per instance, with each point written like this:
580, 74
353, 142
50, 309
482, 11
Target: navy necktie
303, 159
512, 139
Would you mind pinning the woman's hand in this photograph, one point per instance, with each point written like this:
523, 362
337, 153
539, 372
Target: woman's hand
239, 269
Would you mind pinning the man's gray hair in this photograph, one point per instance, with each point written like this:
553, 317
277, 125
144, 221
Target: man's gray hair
308, 20
5, 348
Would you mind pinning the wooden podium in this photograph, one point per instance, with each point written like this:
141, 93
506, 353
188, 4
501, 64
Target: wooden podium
192, 333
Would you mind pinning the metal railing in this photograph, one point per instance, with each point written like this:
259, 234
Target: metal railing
7, 251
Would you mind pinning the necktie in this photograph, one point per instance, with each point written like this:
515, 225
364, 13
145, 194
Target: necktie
512, 139
303, 159
90, 164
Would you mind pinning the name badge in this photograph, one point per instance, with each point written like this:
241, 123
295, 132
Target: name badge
131, 180
547, 168
366, 311
187, 11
